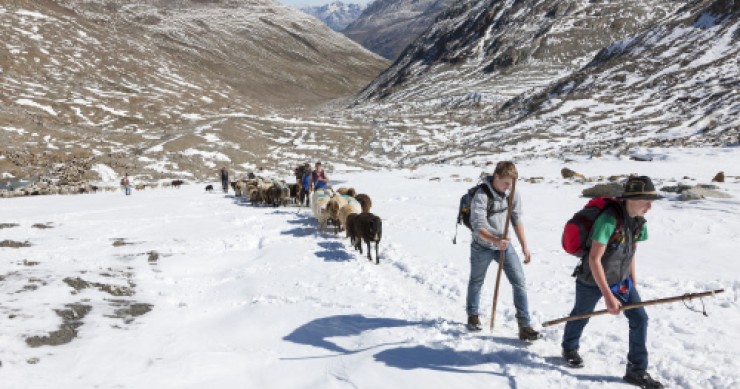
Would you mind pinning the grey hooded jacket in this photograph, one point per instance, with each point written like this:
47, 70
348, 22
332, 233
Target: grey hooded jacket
492, 216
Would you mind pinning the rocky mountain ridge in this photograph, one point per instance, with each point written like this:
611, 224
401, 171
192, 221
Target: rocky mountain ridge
337, 15
386, 27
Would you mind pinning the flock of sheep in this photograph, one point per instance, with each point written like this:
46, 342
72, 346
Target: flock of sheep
344, 208
349, 211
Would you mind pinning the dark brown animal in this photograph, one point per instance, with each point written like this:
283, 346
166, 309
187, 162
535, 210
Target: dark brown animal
368, 228
350, 227
209, 188
295, 190
177, 183
273, 195
365, 202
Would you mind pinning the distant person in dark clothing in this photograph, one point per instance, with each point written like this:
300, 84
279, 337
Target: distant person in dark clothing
126, 184
303, 176
225, 179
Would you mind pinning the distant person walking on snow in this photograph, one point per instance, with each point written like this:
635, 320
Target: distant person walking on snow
305, 184
609, 271
126, 184
225, 179
488, 219
318, 178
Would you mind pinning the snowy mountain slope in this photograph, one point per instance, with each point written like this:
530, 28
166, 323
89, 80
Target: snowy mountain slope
337, 15
168, 87
675, 83
386, 27
180, 288
499, 49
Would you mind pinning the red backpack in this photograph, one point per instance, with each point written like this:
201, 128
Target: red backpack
577, 232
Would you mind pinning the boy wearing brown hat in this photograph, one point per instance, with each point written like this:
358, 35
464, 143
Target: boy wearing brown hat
609, 271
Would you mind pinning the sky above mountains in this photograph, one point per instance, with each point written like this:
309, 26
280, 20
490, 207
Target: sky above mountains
301, 3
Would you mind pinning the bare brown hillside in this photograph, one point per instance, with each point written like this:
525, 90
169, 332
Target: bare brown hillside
162, 87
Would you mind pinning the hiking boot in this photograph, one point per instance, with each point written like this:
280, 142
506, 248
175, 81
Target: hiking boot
528, 333
643, 380
474, 323
572, 358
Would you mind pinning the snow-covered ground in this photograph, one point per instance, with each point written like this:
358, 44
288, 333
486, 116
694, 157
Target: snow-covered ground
255, 297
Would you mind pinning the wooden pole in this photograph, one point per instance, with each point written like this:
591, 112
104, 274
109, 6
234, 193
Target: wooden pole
641, 304
501, 260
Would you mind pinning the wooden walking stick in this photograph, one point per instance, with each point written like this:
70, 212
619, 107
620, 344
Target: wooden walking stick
501, 260
687, 296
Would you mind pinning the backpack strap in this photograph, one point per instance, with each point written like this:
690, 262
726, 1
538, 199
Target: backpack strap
489, 195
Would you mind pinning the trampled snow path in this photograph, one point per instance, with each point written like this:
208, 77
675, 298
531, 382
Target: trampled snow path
252, 297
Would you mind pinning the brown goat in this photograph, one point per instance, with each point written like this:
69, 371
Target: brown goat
365, 202
332, 208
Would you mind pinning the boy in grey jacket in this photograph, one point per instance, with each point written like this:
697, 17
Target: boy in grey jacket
487, 218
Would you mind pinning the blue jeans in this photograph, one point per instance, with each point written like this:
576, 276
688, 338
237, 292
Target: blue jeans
128, 190
586, 298
480, 258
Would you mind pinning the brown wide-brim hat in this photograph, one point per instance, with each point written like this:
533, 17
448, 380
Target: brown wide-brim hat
640, 188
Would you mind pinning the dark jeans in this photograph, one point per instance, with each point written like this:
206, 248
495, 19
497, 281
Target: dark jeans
586, 298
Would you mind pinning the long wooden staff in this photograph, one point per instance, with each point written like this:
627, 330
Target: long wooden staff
503, 252
641, 304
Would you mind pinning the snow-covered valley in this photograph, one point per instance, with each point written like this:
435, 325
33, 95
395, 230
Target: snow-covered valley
179, 288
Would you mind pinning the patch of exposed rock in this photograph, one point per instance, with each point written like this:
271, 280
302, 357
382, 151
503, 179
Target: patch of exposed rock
128, 310
699, 193
611, 189
14, 244
72, 320
118, 242
79, 284
568, 173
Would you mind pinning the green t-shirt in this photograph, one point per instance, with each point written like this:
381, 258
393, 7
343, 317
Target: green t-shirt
605, 225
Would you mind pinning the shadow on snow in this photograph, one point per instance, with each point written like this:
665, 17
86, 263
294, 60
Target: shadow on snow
333, 252
318, 332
